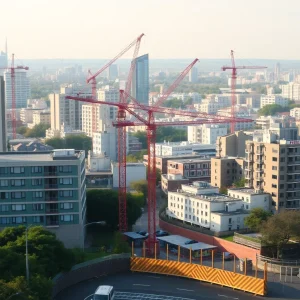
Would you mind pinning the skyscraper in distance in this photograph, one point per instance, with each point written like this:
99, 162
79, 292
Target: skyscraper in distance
193, 75
2, 117
3, 61
140, 79
113, 72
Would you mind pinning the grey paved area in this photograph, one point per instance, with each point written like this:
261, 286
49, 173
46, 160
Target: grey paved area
142, 296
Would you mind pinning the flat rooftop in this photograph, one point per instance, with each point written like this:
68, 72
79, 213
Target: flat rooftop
179, 240
42, 156
195, 160
208, 197
247, 191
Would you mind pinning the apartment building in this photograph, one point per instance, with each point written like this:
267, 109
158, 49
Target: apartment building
291, 91
200, 204
274, 167
226, 170
44, 188
232, 144
206, 133
295, 112
273, 99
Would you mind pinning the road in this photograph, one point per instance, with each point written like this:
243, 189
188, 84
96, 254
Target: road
158, 285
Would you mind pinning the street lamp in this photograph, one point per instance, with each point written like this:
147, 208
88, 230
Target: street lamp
27, 261
99, 222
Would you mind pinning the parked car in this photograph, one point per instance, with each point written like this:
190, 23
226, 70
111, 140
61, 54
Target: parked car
161, 233
190, 242
143, 233
228, 256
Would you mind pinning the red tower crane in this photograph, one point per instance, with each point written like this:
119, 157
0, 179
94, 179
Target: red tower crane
13, 92
234, 69
92, 77
151, 124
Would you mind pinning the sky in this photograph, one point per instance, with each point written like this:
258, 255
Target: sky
173, 28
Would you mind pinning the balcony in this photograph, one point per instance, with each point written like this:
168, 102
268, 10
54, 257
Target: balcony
52, 211
51, 199
51, 173
51, 185
52, 223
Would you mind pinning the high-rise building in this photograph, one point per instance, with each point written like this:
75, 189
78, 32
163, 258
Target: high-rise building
22, 88
273, 99
193, 75
3, 141
45, 188
277, 72
3, 61
113, 72
206, 133
140, 80
64, 112
291, 91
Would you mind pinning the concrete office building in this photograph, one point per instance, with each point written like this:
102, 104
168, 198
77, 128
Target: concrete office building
273, 167
206, 133
291, 91
193, 75
3, 61
40, 117
65, 112
140, 80
45, 188
232, 144
226, 170
22, 88
3, 140
273, 99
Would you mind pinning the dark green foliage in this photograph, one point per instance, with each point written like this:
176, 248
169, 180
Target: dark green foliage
272, 109
36, 132
256, 218
102, 205
136, 157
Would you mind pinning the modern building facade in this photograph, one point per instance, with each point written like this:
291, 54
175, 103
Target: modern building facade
140, 79
22, 88
206, 133
113, 72
193, 75
3, 141
45, 189
291, 91
273, 99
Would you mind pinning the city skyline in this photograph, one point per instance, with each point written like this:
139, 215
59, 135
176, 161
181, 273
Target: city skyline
173, 29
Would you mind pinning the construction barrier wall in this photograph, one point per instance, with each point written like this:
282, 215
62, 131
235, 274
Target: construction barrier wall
233, 280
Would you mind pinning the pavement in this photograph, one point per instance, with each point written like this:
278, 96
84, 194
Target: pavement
145, 286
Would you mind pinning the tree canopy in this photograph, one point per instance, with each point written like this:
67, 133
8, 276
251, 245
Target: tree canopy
256, 218
35, 132
272, 109
240, 183
77, 142
47, 257
103, 205
136, 157
140, 186
279, 228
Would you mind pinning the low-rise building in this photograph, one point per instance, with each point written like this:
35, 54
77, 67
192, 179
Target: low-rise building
273, 99
201, 205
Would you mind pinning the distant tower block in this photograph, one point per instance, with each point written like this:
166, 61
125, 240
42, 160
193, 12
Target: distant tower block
193, 75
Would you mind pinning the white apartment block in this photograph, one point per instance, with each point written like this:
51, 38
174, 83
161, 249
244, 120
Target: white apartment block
295, 112
183, 148
291, 91
273, 99
36, 104
209, 106
206, 133
200, 204
22, 88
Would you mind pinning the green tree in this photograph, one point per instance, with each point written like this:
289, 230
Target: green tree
136, 157
256, 217
37, 131
140, 186
271, 110
223, 190
142, 136
103, 205
22, 130
279, 228
120, 244
240, 183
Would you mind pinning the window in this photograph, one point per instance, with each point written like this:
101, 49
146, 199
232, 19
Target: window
16, 170
37, 206
38, 219
205, 214
281, 186
274, 176
274, 168
65, 181
282, 159
17, 182
38, 194
18, 220
36, 169
18, 207
229, 220
4, 220
67, 218
18, 195
3, 170
274, 158
65, 169
3, 182
282, 168
4, 207
37, 181
3, 195
274, 186
282, 151
281, 177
